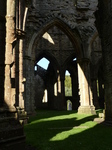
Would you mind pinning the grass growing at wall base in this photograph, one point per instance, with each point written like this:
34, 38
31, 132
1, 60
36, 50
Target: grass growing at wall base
67, 130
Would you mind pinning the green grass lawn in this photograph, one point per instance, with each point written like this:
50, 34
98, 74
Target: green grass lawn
67, 130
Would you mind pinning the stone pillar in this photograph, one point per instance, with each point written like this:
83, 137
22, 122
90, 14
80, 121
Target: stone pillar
20, 14
59, 91
95, 94
21, 85
64, 105
32, 99
29, 92
10, 39
2, 55
75, 97
13, 76
59, 83
11, 131
104, 26
86, 105
55, 89
101, 92
27, 61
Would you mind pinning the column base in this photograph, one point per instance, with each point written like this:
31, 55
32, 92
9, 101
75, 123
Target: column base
86, 110
22, 115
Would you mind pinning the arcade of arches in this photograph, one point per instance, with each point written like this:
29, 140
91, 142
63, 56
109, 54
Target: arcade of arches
72, 35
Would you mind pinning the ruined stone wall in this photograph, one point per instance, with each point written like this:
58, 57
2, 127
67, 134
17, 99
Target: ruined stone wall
29, 85
2, 56
39, 91
96, 56
71, 12
78, 18
2, 48
57, 45
104, 25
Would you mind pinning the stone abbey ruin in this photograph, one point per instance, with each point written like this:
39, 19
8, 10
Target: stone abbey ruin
74, 35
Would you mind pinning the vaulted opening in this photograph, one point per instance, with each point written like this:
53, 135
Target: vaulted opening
56, 47
72, 84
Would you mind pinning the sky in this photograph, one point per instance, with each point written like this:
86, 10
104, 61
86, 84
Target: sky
44, 64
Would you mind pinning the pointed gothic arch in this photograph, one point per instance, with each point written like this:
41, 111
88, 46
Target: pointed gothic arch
72, 35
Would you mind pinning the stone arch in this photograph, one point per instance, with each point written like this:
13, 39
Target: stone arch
51, 58
73, 36
49, 77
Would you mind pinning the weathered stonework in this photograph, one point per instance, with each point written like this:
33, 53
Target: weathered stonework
104, 25
69, 30
11, 131
71, 33
59, 31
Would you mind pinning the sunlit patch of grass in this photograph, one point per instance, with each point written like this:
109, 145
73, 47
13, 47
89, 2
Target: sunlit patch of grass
53, 118
65, 134
57, 130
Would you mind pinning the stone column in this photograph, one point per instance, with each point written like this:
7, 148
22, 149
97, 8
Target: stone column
10, 39
13, 76
95, 94
104, 22
63, 102
101, 92
59, 91
75, 97
27, 61
55, 89
21, 85
59, 83
29, 92
21, 80
2, 54
21, 18
11, 131
17, 14
32, 99
21, 13
86, 105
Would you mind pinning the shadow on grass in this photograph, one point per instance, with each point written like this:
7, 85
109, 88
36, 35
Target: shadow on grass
58, 130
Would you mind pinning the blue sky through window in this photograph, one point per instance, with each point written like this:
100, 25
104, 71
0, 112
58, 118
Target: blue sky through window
43, 63
67, 73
